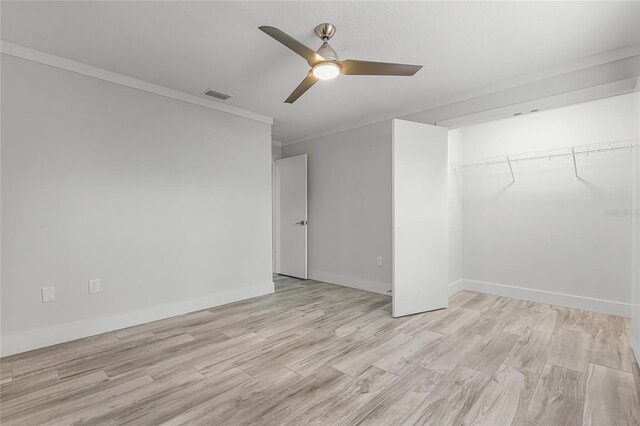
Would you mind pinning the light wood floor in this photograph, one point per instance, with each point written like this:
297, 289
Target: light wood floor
323, 354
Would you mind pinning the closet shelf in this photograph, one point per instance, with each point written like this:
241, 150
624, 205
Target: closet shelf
573, 151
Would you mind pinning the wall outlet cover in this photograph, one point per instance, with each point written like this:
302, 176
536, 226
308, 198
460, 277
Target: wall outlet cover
94, 286
48, 294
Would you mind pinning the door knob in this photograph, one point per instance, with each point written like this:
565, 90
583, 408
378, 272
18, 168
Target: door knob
302, 222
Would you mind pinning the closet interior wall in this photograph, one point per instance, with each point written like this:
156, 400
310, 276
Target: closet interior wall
548, 237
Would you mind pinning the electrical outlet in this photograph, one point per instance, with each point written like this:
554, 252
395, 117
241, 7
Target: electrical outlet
94, 286
379, 261
48, 294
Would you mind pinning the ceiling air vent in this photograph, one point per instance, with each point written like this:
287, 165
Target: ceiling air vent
217, 95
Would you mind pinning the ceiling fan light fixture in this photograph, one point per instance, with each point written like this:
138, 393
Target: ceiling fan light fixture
326, 70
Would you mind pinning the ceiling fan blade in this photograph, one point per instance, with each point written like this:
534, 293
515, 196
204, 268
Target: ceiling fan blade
307, 53
306, 84
351, 67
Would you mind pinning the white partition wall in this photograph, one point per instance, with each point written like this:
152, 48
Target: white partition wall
420, 218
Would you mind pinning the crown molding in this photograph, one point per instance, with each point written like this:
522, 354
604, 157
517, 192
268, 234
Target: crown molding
32, 55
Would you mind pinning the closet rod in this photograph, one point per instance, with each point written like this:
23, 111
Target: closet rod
554, 153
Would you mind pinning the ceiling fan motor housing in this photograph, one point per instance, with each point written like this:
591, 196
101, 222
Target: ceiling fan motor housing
325, 31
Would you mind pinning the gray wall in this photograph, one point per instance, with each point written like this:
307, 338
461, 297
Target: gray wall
167, 203
350, 206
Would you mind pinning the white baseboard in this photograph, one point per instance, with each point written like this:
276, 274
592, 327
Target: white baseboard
353, 282
455, 287
47, 336
609, 307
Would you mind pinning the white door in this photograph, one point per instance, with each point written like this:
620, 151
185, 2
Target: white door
291, 216
420, 218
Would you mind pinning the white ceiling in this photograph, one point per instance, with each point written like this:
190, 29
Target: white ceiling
192, 46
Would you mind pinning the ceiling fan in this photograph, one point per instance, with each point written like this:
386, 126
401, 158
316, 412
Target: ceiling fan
325, 64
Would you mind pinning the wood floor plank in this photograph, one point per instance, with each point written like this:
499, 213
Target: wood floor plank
126, 398
23, 369
32, 361
331, 406
6, 375
446, 403
121, 361
401, 357
289, 323
52, 391
576, 320
167, 396
453, 321
495, 317
336, 349
27, 385
368, 321
443, 355
379, 410
247, 404
71, 398
207, 403
487, 356
610, 322
504, 400
610, 397
207, 356
558, 398
330, 322
295, 407
611, 349
419, 322
547, 321
264, 357
362, 358
481, 302
530, 351
460, 298
570, 349
528, 315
